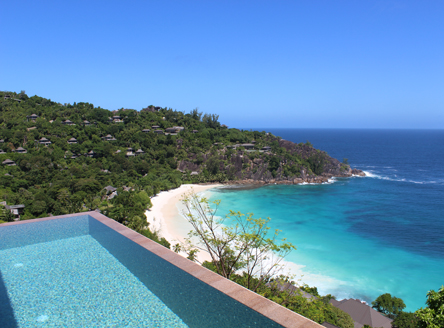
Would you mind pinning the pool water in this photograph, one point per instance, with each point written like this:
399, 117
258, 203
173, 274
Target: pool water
77, 272
75, 282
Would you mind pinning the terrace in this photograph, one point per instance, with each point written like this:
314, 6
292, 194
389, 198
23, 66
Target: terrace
88, 270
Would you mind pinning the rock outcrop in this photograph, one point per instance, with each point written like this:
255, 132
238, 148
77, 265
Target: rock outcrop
299, 163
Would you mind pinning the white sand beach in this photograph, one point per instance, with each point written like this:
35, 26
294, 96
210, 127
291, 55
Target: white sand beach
165, 218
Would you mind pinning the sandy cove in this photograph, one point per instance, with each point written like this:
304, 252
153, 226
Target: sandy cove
165, 218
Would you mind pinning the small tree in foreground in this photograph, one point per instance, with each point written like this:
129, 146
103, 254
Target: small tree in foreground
236, 243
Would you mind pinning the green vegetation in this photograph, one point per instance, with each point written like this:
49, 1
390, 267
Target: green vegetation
388, 305
432, 316
55, 174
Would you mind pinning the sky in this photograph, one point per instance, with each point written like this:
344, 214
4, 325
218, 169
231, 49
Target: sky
257, 64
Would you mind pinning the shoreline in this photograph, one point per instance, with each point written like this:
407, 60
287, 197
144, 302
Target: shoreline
165, 217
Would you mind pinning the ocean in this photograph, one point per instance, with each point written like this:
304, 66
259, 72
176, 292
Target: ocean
361, 237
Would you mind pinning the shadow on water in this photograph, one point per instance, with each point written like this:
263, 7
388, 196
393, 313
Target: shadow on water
7, 319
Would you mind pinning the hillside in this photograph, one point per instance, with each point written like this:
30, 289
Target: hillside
68, 158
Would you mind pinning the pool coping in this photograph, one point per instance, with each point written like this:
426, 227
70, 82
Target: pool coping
256, 302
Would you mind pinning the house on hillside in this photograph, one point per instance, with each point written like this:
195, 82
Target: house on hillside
110, 189
109, 137
21, 150
32, 117
2, 152
155, 127
146, 130
7, 97
2, 141
8, 162
140, 152
130, 154
68, 122
117, 119
158, 131
86, 123
195, 131
72, 141
44, 141
91, 154
362, 314
15, 210
248, 146
266, 148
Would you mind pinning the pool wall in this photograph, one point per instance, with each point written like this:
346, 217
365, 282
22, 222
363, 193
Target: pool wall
185, 295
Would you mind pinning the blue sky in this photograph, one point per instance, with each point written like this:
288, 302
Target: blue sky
294, 64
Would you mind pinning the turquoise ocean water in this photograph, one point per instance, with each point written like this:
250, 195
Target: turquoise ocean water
361, 237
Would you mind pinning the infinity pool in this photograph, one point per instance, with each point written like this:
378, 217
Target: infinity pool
78, 272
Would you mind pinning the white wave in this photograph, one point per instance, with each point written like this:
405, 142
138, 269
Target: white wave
370, 174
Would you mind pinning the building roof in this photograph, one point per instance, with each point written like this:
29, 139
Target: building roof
146, 130
8, 161
20, 149
72, 139
110, 188
13, 207
362, 314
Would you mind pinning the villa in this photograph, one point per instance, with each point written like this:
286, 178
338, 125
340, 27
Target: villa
32, 117
21, 150
68, 122
109, 137
8, 162
44, 141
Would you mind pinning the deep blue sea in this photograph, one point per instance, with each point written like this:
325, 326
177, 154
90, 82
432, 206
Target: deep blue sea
362, 237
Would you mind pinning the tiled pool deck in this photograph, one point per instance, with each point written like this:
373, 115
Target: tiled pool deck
267, 308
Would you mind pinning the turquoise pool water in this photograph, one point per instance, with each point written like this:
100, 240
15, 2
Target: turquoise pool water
77, 272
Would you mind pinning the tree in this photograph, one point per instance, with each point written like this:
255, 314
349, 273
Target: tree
433, 315
405, 320
389, 305
237, 242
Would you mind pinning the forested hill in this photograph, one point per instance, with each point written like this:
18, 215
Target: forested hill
77, 157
